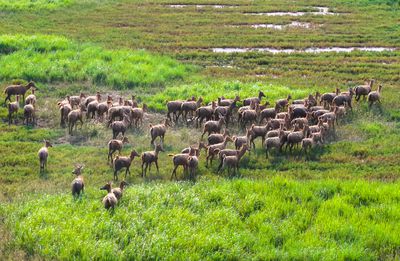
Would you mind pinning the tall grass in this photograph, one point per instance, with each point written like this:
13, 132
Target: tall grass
45, 58
239, 219
33, 4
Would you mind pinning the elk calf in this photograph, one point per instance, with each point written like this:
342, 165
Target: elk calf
78, 184
119, 191
230, 162
44, 154
29, 114
13, 108
110, 200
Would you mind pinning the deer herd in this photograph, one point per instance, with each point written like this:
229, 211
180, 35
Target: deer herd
282, 126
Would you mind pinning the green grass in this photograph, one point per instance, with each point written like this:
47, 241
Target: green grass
33, 4
238, 219
342, 203
46, 58
189, 33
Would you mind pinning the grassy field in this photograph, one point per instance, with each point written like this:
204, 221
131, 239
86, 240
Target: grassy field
189, 33
342, 203
50, 59
238, 219
33, 4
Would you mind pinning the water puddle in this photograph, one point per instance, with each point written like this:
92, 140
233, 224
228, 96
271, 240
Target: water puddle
270, 26
307, 50
300, 24
282, 26
319, 11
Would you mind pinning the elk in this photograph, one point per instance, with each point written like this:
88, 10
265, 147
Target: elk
327, 98
29, 114
224, 111
229, 152
174, 107
363, 90
19, 89
204, 112
78, 184
120, 126
375, 96
230, 162
189, 106
89, 99
43, 154
149, 157
295, 137
193, 163
123, 162
31, 99
344, 98
256, 100
268, 113
76, 100
245, 108
297, 112
13, 108
250, 116
239, 141
257, 131
110, 200
200, 146
133, 103
118, 192
213, 126
92, 109
65, 109
73, 117
138, 114
217, 137
182, 160
227, 102
274, 142
158, 130
212, 150
282, 103
102, 108
114, 145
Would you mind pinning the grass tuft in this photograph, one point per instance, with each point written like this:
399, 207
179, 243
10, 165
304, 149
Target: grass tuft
45, 58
